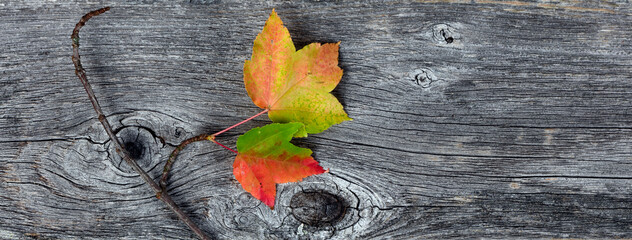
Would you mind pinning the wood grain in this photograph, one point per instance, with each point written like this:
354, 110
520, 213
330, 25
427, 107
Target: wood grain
472, 119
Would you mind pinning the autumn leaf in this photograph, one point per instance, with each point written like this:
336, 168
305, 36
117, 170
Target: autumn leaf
294, 85
266, 157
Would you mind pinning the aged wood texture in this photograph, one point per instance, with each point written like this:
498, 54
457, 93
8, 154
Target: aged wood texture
471, 119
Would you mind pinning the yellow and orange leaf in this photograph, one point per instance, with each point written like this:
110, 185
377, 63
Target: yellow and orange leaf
294, 85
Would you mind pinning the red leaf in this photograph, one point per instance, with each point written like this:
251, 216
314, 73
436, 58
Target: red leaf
266, 157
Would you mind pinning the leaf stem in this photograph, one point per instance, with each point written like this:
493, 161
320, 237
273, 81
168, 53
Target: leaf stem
81, 73
174, 154
240, 123
222, 145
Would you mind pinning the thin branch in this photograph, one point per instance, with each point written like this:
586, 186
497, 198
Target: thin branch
81, 73
174, 154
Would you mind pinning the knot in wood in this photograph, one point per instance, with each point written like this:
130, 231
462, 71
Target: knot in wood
140, 143
422, 77
317, 208
135, 149
444, 34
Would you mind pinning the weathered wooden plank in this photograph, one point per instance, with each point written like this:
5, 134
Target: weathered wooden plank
471, 119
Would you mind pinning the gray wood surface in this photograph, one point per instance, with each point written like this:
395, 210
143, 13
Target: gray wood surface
472, 119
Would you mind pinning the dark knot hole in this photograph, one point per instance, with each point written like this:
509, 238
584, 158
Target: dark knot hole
446, 36
135, 149
318, 208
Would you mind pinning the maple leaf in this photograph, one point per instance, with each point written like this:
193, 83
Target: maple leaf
294, 85
266, 157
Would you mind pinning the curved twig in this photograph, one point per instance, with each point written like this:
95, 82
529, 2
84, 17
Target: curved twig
174, 154
81, 73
